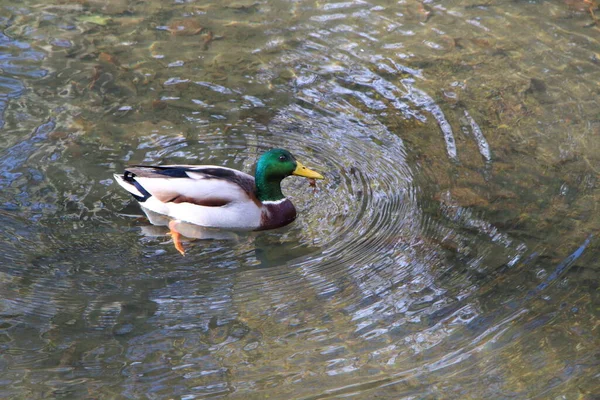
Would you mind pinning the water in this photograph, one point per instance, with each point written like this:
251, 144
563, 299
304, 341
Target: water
450, 252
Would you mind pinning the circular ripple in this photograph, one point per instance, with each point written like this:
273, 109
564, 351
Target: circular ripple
349, 224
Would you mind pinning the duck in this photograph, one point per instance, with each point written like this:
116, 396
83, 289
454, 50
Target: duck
217, 197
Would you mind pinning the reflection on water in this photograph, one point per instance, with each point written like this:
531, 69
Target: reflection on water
448, 254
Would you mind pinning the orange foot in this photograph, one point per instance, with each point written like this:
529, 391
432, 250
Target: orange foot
176, 237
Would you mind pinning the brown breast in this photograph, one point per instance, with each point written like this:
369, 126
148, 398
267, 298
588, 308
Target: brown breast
275, 215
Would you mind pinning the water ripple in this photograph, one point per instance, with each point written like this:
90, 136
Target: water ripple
394, 278
14, 157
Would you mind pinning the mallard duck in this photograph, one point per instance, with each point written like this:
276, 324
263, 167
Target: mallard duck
218, 197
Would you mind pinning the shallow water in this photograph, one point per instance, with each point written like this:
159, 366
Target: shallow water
451, 251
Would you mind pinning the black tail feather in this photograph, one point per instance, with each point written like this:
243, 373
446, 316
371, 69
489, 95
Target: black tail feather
129, 177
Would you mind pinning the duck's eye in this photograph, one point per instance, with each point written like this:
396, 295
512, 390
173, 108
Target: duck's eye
282, 158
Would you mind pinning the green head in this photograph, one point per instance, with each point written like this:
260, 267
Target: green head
272, 168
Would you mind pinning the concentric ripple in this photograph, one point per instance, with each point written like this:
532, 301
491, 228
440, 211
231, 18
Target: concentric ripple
424, 265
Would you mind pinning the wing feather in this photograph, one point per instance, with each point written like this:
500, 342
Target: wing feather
205, 185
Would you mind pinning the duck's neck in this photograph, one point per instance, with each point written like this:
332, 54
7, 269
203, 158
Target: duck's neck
267, 188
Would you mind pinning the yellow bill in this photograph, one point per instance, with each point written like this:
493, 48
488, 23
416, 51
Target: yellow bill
301, 170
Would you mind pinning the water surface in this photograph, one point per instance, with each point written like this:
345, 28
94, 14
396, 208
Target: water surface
451, 251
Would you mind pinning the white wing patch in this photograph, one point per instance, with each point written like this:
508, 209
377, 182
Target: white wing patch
200, 189
196, 175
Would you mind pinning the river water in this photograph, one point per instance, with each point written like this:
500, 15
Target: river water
451, 252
